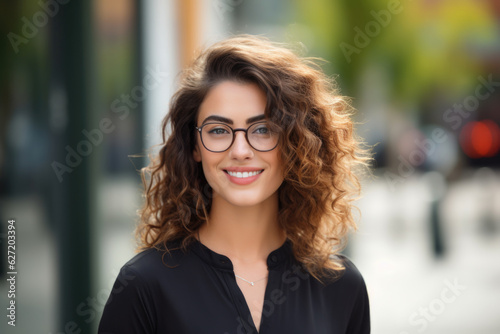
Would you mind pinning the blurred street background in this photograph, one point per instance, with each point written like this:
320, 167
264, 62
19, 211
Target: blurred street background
84, 86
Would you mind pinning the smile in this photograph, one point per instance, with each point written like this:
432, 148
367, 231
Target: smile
242, 175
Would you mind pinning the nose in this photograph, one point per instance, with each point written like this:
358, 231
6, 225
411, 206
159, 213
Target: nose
240, 149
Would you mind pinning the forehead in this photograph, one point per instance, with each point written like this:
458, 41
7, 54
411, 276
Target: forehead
233, 100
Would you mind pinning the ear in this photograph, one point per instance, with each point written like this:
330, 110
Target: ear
197, 153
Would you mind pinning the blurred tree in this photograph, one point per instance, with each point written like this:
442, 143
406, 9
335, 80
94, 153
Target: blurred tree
420, 44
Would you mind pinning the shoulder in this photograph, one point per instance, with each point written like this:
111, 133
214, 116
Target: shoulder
148, 270
356, 298
144, 282
350, 294
351, 273
155, 262
350, 278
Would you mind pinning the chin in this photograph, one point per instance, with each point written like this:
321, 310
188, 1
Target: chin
246, 204
248, 200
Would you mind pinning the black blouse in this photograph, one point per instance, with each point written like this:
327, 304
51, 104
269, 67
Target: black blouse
196, 292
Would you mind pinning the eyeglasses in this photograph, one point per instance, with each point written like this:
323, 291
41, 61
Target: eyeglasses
218, 137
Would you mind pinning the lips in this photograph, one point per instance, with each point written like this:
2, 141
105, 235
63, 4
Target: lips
243, 175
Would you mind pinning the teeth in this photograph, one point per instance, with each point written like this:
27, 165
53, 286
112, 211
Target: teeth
244, 174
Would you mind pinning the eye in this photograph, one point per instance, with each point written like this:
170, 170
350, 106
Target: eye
217, 130
261, 129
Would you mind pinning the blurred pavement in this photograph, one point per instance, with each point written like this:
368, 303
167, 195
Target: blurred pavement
409, 288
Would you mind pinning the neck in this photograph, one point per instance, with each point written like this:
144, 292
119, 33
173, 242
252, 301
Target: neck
244, 234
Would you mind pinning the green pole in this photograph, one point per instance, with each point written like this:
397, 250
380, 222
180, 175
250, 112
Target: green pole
72, 68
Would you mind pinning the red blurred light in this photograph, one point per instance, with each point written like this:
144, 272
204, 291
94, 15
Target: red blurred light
495, 137
480, 139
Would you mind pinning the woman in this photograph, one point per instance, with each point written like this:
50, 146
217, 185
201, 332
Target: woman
247, 205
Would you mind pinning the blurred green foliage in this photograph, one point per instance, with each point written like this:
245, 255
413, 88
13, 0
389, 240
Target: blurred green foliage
423, 46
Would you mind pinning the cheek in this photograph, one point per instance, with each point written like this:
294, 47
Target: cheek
278, 165
214, 178
207, 166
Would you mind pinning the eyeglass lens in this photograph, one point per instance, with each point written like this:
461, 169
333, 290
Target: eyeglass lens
218, 137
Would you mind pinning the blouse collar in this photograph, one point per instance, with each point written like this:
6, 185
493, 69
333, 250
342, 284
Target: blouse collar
276, 258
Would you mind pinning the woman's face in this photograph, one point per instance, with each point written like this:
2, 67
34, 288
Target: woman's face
241, 175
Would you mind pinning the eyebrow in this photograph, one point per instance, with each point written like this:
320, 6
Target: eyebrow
218, 118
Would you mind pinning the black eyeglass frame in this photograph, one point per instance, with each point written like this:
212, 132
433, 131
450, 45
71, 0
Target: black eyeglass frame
234, 136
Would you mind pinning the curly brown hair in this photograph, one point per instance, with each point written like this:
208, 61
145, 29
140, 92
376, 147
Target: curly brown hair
317, 145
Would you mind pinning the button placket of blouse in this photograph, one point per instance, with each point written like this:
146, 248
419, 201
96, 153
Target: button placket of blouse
242, 305
237, 295
238, 300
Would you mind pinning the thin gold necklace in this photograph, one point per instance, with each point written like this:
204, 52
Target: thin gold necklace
250, 282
